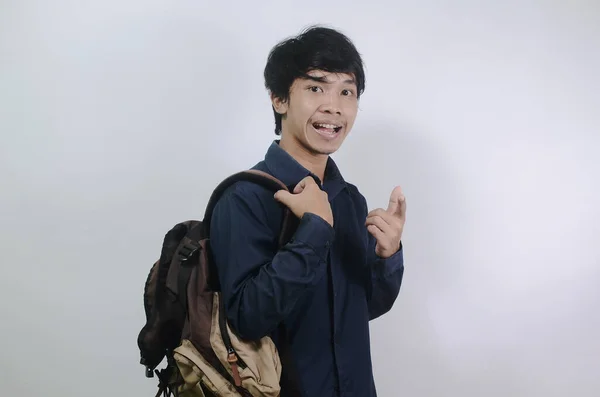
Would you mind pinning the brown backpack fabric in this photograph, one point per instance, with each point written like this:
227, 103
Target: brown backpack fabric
186, 321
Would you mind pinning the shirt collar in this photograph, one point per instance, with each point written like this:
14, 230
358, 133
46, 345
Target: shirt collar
285, 168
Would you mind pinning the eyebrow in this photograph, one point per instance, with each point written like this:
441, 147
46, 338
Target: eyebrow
322, 79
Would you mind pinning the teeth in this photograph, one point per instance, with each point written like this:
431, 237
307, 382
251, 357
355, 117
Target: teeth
331, 126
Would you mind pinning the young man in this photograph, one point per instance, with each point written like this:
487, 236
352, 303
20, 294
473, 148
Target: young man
344, 265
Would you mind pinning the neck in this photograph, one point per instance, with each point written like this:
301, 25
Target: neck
313, 162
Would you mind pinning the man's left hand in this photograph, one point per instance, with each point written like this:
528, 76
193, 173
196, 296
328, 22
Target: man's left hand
387, 225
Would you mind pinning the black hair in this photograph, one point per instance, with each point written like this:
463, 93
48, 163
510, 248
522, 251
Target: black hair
315, 48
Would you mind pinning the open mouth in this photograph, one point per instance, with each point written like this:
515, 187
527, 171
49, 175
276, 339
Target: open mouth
323, 128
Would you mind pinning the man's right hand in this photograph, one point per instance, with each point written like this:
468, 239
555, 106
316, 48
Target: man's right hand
307, 197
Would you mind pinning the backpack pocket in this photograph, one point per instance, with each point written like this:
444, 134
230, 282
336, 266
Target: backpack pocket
196, 371
258, 362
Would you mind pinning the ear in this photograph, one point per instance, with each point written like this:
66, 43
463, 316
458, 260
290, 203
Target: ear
279, 105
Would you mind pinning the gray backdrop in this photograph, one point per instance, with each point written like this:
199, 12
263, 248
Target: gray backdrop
487, 113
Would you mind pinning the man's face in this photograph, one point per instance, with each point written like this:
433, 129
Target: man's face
320, 113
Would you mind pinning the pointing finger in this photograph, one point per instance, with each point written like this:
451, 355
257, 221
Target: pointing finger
402, 209
396, 201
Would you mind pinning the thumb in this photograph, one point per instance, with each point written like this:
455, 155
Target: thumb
284, 197
396, 199
303, 184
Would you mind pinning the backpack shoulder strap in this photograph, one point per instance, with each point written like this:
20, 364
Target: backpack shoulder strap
188, 256
257, 177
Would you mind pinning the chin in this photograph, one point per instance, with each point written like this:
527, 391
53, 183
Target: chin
323, 143
323, 149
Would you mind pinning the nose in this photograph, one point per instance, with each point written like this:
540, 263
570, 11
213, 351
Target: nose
331, 105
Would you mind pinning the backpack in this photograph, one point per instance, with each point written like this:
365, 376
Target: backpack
186, 321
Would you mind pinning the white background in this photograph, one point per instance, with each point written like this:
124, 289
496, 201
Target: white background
487, 113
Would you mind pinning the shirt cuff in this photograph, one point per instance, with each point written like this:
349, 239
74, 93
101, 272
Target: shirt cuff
315, 232
385, 267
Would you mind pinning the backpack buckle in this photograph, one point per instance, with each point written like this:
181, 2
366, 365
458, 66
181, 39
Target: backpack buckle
148, 370
188, 250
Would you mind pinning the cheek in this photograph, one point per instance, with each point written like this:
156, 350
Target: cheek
305, 114
296, 116
351, 112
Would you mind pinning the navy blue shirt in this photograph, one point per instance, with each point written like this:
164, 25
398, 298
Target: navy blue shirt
325, 285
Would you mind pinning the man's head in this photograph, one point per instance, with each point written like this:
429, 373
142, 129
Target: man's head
315, 80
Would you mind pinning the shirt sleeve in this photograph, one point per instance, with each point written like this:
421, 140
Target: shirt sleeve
260, 284
385, 279
384, 276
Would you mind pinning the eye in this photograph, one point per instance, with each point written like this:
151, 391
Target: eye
314, 88
347, 92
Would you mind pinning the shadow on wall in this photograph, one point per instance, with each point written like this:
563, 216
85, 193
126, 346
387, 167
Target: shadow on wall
380, 156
